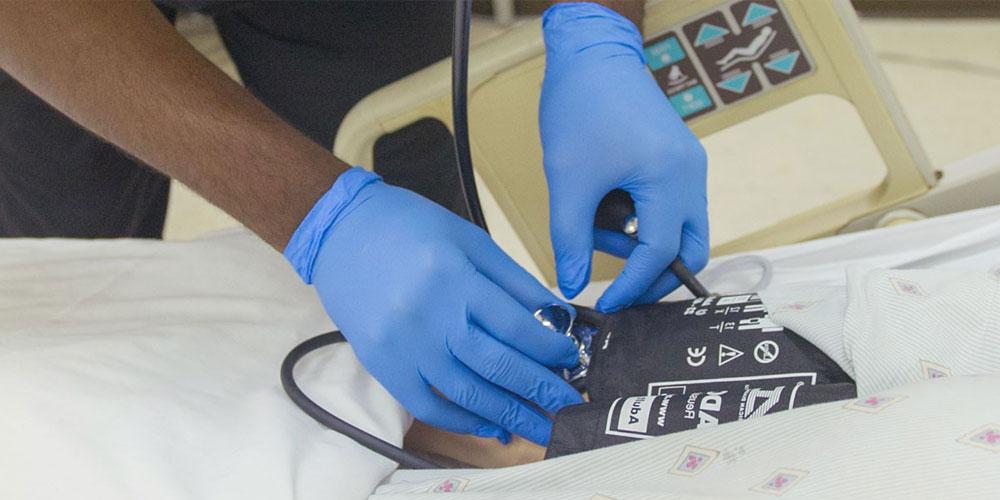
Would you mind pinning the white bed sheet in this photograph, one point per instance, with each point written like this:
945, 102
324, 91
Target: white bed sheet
956, 241
149, 369
140, 369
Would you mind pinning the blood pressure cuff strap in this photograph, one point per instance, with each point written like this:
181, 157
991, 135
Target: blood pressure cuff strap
675, 366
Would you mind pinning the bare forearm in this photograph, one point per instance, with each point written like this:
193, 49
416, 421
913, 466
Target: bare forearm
121, 71
634, 10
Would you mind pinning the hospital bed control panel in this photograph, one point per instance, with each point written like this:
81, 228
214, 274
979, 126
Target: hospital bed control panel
726, 55
727, 67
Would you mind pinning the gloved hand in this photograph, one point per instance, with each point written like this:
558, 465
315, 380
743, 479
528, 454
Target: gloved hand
428, 301
605, 124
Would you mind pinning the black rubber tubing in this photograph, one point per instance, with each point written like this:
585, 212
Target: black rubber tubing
404, 458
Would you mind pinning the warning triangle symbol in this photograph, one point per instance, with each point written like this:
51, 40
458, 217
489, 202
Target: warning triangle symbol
727, 354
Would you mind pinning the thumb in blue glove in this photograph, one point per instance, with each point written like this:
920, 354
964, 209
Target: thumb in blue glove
432, 306
605, 124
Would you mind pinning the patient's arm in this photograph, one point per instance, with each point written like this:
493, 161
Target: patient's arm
121, 71
634, 10
467, 449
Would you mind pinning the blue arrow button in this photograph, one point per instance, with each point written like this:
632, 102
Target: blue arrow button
737, 83
708, 32
784, 64
757, 12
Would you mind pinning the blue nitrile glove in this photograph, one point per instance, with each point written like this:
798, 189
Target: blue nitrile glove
605, 124
428, 301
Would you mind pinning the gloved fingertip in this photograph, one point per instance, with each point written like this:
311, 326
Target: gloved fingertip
570, 400
568, 291
567, 352
572, 356
613, 243
605, 306
572, 282
541, 437
489, 431
504, 437
559, 397
539, 431
622, 293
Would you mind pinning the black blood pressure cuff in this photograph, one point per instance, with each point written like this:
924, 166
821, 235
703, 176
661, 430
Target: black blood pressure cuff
675, 366
595, 425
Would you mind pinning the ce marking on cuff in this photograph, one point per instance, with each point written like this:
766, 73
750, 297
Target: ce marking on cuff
696, 355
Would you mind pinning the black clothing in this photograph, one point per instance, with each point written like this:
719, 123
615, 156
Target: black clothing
310, 62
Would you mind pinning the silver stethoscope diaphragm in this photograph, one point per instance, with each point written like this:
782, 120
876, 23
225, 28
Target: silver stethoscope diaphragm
559, 318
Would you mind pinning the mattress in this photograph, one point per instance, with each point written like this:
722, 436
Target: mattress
150, 369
